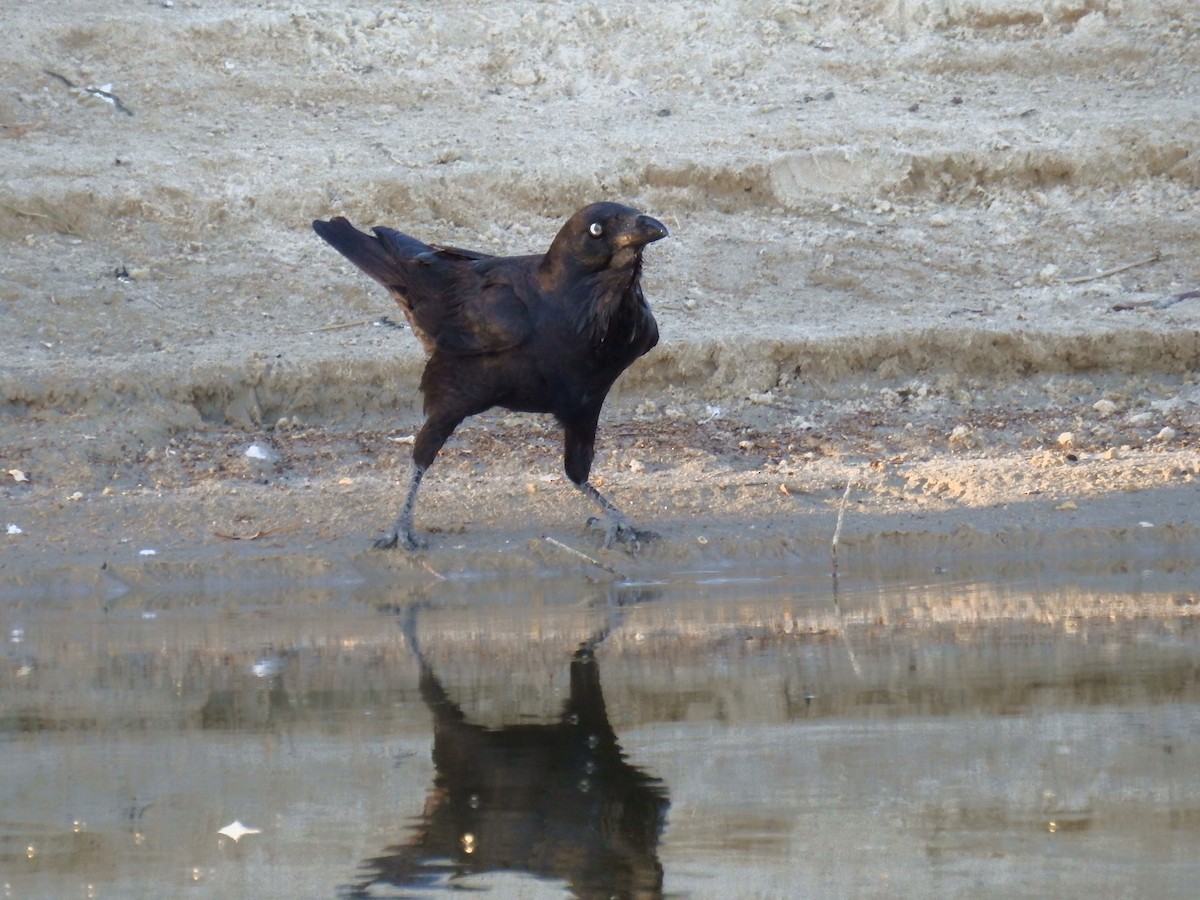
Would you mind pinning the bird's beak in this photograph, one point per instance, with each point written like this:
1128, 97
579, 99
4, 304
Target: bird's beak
645, 230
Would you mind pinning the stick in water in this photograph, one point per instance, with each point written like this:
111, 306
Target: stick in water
837, 531
595, 562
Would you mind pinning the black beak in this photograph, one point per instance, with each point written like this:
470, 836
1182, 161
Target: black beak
646, 230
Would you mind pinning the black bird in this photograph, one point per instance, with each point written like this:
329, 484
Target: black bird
545, 333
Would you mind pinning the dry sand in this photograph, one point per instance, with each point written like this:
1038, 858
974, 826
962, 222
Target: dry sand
945, 252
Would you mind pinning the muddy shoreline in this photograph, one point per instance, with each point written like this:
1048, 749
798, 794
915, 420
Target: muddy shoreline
201, 514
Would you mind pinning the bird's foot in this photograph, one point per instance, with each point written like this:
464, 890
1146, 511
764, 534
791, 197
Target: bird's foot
399, 537
618, 530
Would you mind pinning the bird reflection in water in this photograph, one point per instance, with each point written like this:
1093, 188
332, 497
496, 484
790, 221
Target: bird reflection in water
556, 801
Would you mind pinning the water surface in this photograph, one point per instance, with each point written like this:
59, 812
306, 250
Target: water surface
707, 734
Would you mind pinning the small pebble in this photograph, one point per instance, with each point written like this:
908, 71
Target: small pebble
258, 451
962, 436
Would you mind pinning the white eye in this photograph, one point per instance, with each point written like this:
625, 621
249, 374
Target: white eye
595, 229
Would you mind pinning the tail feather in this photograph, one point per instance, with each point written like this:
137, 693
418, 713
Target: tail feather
380, 256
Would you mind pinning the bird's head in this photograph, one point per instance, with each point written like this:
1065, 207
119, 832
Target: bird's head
603, 236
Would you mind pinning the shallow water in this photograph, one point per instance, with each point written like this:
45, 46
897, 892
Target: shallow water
711, 734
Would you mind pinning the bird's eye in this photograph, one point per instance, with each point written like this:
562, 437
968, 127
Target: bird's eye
596, 229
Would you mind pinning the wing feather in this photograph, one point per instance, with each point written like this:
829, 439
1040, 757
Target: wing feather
472, 314
458, 301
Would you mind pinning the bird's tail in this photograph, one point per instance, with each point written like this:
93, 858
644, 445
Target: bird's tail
379, 255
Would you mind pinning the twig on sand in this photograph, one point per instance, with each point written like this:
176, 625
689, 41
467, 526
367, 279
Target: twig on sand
261, 533
336, 327
1156, 304
595, 562
339, 326
1116, 270
431, 570
17, 129
29, 214
102, 92
837, 531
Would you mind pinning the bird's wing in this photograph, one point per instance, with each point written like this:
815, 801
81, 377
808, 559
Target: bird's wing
384, 255
380, 256
460, 253
463, 302
474, 313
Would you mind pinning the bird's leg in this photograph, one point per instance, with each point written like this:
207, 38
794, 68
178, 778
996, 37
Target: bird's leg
430, 438
579, 440
401, 533
618, 527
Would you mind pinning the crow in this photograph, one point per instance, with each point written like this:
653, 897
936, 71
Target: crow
544, 333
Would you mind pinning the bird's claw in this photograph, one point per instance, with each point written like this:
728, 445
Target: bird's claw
635, 538
397, 538
618, 530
